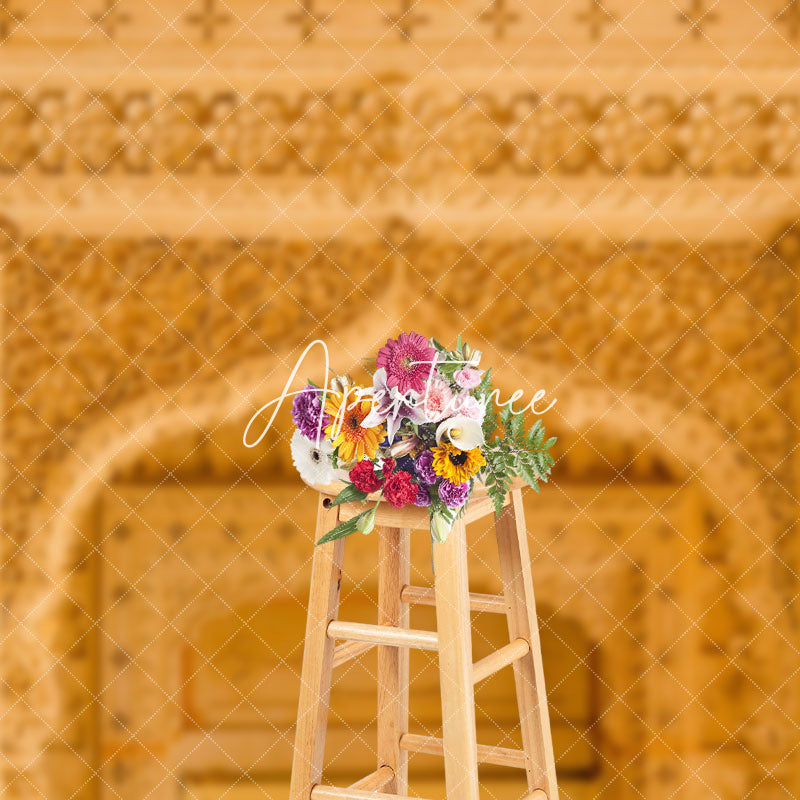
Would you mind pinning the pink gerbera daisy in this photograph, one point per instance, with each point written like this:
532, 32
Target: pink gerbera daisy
408, 361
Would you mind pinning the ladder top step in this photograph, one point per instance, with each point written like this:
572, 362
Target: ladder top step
386, 635
480, 505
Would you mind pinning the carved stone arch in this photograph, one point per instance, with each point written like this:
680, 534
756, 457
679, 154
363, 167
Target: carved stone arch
112, 442
49, 552
686, 441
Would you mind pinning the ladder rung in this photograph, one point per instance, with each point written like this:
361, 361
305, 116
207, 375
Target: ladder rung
489, 603
375, 781
487, 754
348, 651
383, 634
537, 794
494, 662
332, 793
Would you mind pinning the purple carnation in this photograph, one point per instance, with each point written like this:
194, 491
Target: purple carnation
423, 466
454, 495
307, 410
423, 498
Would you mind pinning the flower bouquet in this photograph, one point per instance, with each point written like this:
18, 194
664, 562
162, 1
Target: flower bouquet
423, 434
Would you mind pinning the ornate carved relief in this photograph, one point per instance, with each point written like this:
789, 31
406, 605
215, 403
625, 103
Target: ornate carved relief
379, 133
582, 24
685, 351
94, 324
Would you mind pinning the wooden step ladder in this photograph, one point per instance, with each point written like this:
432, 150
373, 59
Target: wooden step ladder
452, 641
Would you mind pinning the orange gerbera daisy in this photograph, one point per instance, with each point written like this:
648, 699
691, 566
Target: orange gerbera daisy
345, 431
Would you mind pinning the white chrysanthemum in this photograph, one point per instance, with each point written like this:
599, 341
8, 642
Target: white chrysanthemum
312, 462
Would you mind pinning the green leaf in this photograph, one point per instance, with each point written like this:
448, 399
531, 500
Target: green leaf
517, 430
550, 442
342, 529
489, 421
528, 475
449, 369
536, 435
348, 495
498, 495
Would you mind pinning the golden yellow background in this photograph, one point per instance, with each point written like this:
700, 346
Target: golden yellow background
601, 196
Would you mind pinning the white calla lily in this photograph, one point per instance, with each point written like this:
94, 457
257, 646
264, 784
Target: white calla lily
463, 432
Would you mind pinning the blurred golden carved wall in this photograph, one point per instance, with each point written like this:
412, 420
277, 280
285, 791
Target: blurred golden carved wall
601, 196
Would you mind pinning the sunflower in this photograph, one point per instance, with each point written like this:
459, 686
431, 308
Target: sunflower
456, 466
353, 441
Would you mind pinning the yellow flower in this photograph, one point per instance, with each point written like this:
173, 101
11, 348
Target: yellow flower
457, 466
345, 431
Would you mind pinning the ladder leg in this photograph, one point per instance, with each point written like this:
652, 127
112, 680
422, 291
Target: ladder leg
512, 544
455, 666
394, 574
315, 682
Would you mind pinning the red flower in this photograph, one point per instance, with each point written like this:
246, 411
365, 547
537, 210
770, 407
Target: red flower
364, 478
388, 467
399, 490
